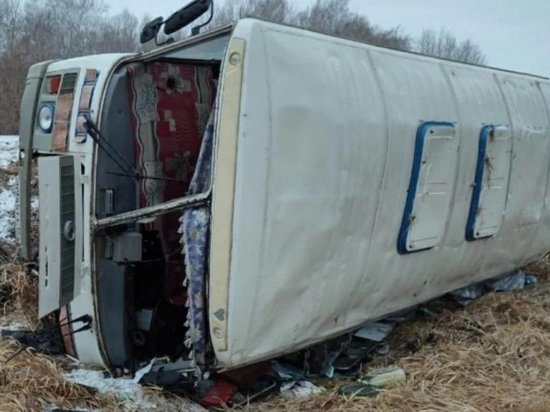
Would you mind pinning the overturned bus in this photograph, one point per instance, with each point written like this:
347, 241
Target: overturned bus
252, 191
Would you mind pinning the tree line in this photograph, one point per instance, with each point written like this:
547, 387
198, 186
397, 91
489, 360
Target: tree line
38, 30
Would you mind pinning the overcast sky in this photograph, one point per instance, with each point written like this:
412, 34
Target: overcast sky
514, 34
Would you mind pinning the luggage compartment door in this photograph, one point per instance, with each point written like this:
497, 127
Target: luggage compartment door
431, 187
491, 183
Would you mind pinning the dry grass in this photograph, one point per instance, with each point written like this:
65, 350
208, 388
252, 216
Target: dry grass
492, 356
18, 289
32, 382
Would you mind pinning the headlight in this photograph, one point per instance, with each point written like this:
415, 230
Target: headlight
45, 117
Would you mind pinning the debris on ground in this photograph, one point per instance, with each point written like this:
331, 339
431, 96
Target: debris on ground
357, 352
467, 295
300, 390
47, 341
509, 282
386, 377
491, 356
220, 394
124, 389
512, 281
358, 389
376, 331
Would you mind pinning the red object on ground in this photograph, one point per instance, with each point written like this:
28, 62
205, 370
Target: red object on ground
220, 395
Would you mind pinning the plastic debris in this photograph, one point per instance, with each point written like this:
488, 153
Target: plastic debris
386, 377
124, 389
286, 373
508, 282
358, 389
466, 295
351, 358
319, 359
300, 390
138, 376
376, 331
531, 279
383, 349
403, 315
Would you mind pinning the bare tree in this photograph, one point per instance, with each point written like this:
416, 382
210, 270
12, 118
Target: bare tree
117, 34
38, 30
335, 17
445, 45
278, 11
326, 16
10, 14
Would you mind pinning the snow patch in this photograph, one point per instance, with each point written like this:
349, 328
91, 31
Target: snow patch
8, 202
124, 388
14, 326
9, 152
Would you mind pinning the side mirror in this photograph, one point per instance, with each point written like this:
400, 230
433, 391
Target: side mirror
186, 15
151, 30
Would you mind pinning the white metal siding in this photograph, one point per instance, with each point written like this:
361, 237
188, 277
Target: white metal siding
326, 143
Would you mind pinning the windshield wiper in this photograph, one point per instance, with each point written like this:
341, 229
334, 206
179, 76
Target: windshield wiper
113, 153
115, 156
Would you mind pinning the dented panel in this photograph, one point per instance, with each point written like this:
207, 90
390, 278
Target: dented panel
322, 173
314, 139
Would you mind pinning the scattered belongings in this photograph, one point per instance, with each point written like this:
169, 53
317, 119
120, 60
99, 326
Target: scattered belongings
376, 331
373, 382
43, 340
220, 393
357, 352
383, 349
508, 282
295, 376
385, 378
516, 280
358, 389
287, 373
467, 295
293, 381
300, 390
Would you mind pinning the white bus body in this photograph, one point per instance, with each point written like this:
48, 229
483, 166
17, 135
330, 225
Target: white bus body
349, 182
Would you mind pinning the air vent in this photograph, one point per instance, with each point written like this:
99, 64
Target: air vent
67, 209
69, 83
57, 232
